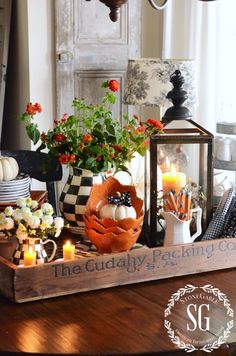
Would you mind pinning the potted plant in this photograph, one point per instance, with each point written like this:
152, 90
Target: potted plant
93, 143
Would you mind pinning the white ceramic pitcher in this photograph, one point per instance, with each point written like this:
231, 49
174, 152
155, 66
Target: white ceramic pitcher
178, 231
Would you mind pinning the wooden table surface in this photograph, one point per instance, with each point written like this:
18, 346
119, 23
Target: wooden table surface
125, 320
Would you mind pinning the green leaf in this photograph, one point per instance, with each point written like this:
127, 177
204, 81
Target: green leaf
111, 129
111, 98
33, 133
105, 84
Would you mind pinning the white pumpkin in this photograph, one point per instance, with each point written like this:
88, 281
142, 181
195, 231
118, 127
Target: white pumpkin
111, 211
8, 168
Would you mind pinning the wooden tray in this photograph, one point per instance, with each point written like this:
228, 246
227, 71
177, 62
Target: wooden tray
22, 284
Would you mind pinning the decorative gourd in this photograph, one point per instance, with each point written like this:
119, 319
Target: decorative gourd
119, 208
8, 168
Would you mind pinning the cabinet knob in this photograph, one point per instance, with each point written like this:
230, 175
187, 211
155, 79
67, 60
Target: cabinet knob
64, 57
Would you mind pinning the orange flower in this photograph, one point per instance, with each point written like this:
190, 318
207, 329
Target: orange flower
72, 158
43, 136
30, 109
87, 138
64, 117
59, 137
38, 107
155, 123
113, 85
140, 129
118, 148
64, 158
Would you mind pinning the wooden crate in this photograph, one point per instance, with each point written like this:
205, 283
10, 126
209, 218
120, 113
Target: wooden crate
22, 284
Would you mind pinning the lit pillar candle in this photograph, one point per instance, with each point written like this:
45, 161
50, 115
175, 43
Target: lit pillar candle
29, 257
173, 181
68, 251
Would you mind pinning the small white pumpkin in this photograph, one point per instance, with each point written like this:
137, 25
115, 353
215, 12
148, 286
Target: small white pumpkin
8, 168
119, 207
111, 211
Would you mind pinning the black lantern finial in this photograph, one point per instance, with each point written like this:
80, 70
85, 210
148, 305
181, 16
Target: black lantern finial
178, 96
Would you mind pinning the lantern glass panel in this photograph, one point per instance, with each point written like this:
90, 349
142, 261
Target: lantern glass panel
183, 158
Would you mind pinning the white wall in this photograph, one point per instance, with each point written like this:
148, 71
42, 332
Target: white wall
31, 69
42, 59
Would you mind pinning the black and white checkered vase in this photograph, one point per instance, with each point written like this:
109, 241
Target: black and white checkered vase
24, 245
75, 195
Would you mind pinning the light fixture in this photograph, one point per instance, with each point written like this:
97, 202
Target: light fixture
115, 6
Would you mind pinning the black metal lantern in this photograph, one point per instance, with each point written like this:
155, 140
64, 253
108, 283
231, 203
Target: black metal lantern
181, 132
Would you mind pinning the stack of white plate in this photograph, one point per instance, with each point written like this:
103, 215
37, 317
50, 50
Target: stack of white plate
16, 188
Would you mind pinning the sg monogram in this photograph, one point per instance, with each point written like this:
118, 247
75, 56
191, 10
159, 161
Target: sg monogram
197, 322
209, 318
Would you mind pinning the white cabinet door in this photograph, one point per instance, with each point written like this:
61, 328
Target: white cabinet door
90, 49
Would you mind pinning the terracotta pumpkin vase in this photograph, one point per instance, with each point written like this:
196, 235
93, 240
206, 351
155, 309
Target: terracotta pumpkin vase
109, 235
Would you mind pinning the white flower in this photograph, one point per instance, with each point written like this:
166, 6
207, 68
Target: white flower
26, 214
17, 214
8, 211
38, 213
21, 202
28, 201
34, 204
47, 220
9, 223
58, 223
2, 218
47, 209
33, 222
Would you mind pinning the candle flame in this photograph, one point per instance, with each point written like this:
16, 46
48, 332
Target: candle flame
68, 243
173, 169
167, 163
30, 249
161, 154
